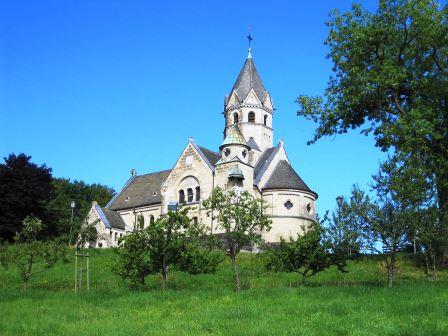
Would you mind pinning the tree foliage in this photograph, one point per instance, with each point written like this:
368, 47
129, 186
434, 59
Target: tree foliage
242, 220
390, 78
169, 241
30, 255
25, 188
83, 194
307, 255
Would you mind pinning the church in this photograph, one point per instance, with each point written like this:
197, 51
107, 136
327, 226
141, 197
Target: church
247, 159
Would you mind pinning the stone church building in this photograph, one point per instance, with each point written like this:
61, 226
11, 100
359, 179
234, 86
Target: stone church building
247, 160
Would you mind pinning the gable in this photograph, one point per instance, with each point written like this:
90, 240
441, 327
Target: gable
252, 98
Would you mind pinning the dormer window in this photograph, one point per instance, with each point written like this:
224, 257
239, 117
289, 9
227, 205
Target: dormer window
251, 117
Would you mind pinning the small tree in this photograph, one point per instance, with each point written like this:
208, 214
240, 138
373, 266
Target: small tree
242, 219
171, 240
308, 255
30, 255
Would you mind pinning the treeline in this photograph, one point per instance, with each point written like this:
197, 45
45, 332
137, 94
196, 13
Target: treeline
28, 189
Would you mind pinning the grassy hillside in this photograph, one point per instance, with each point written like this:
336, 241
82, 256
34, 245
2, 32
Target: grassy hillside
357, 303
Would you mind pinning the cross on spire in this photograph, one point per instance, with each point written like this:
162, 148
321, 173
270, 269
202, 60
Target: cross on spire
249, 38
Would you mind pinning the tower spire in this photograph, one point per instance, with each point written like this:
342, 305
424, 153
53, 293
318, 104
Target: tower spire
249, 53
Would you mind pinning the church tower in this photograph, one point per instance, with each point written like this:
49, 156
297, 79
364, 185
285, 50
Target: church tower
249, 106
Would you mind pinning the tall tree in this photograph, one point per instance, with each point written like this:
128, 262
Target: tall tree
390, 78
241, 218
25, 188
83, 194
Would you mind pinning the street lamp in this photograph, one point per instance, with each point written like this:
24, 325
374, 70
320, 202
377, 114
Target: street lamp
72, 206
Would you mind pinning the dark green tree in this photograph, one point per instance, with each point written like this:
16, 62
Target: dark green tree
242, 219
309, 254
25, 188
83, 194
31, 255
390, 78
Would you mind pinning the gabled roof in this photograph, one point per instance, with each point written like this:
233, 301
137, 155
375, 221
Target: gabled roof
234, 137
249, 79
263, 162
211, 156
110, 218
142, 190
253, 145
285, 177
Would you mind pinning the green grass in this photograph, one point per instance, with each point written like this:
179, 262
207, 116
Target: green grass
357, 303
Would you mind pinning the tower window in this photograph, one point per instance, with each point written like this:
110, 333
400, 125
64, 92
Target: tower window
288, 205
309, 207
244, 153
251, 117
198, 193
265, 119
235, 118
189, 195
151, 219
227, 152
181, 197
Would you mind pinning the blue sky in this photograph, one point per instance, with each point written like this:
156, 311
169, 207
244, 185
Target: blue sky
96, 88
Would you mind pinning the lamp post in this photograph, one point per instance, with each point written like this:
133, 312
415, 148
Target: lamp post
72, 206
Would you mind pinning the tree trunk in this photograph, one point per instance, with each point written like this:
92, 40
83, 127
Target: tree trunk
26, 280
434, 268
303, 280
236, 273
390, 271
164, 273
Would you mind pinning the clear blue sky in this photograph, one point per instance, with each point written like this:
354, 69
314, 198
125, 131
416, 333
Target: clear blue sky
95, 88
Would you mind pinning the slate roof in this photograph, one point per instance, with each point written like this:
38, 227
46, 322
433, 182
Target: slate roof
110, 218
141, 190
285, 177
264, 161
253, 145
211, 156
249, 79
234, 137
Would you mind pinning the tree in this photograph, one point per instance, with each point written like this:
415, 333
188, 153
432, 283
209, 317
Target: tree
390, 78
83, 194
25, 188
307, 255
30, 255
388, 221
168, 241
241, 218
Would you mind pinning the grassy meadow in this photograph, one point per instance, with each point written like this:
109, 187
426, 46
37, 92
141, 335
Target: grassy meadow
356, 303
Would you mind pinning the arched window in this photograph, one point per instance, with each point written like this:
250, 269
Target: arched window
181, 196
151, 219
251, 117
198, 193
189, 195
235, 118
265, 119
195, 220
